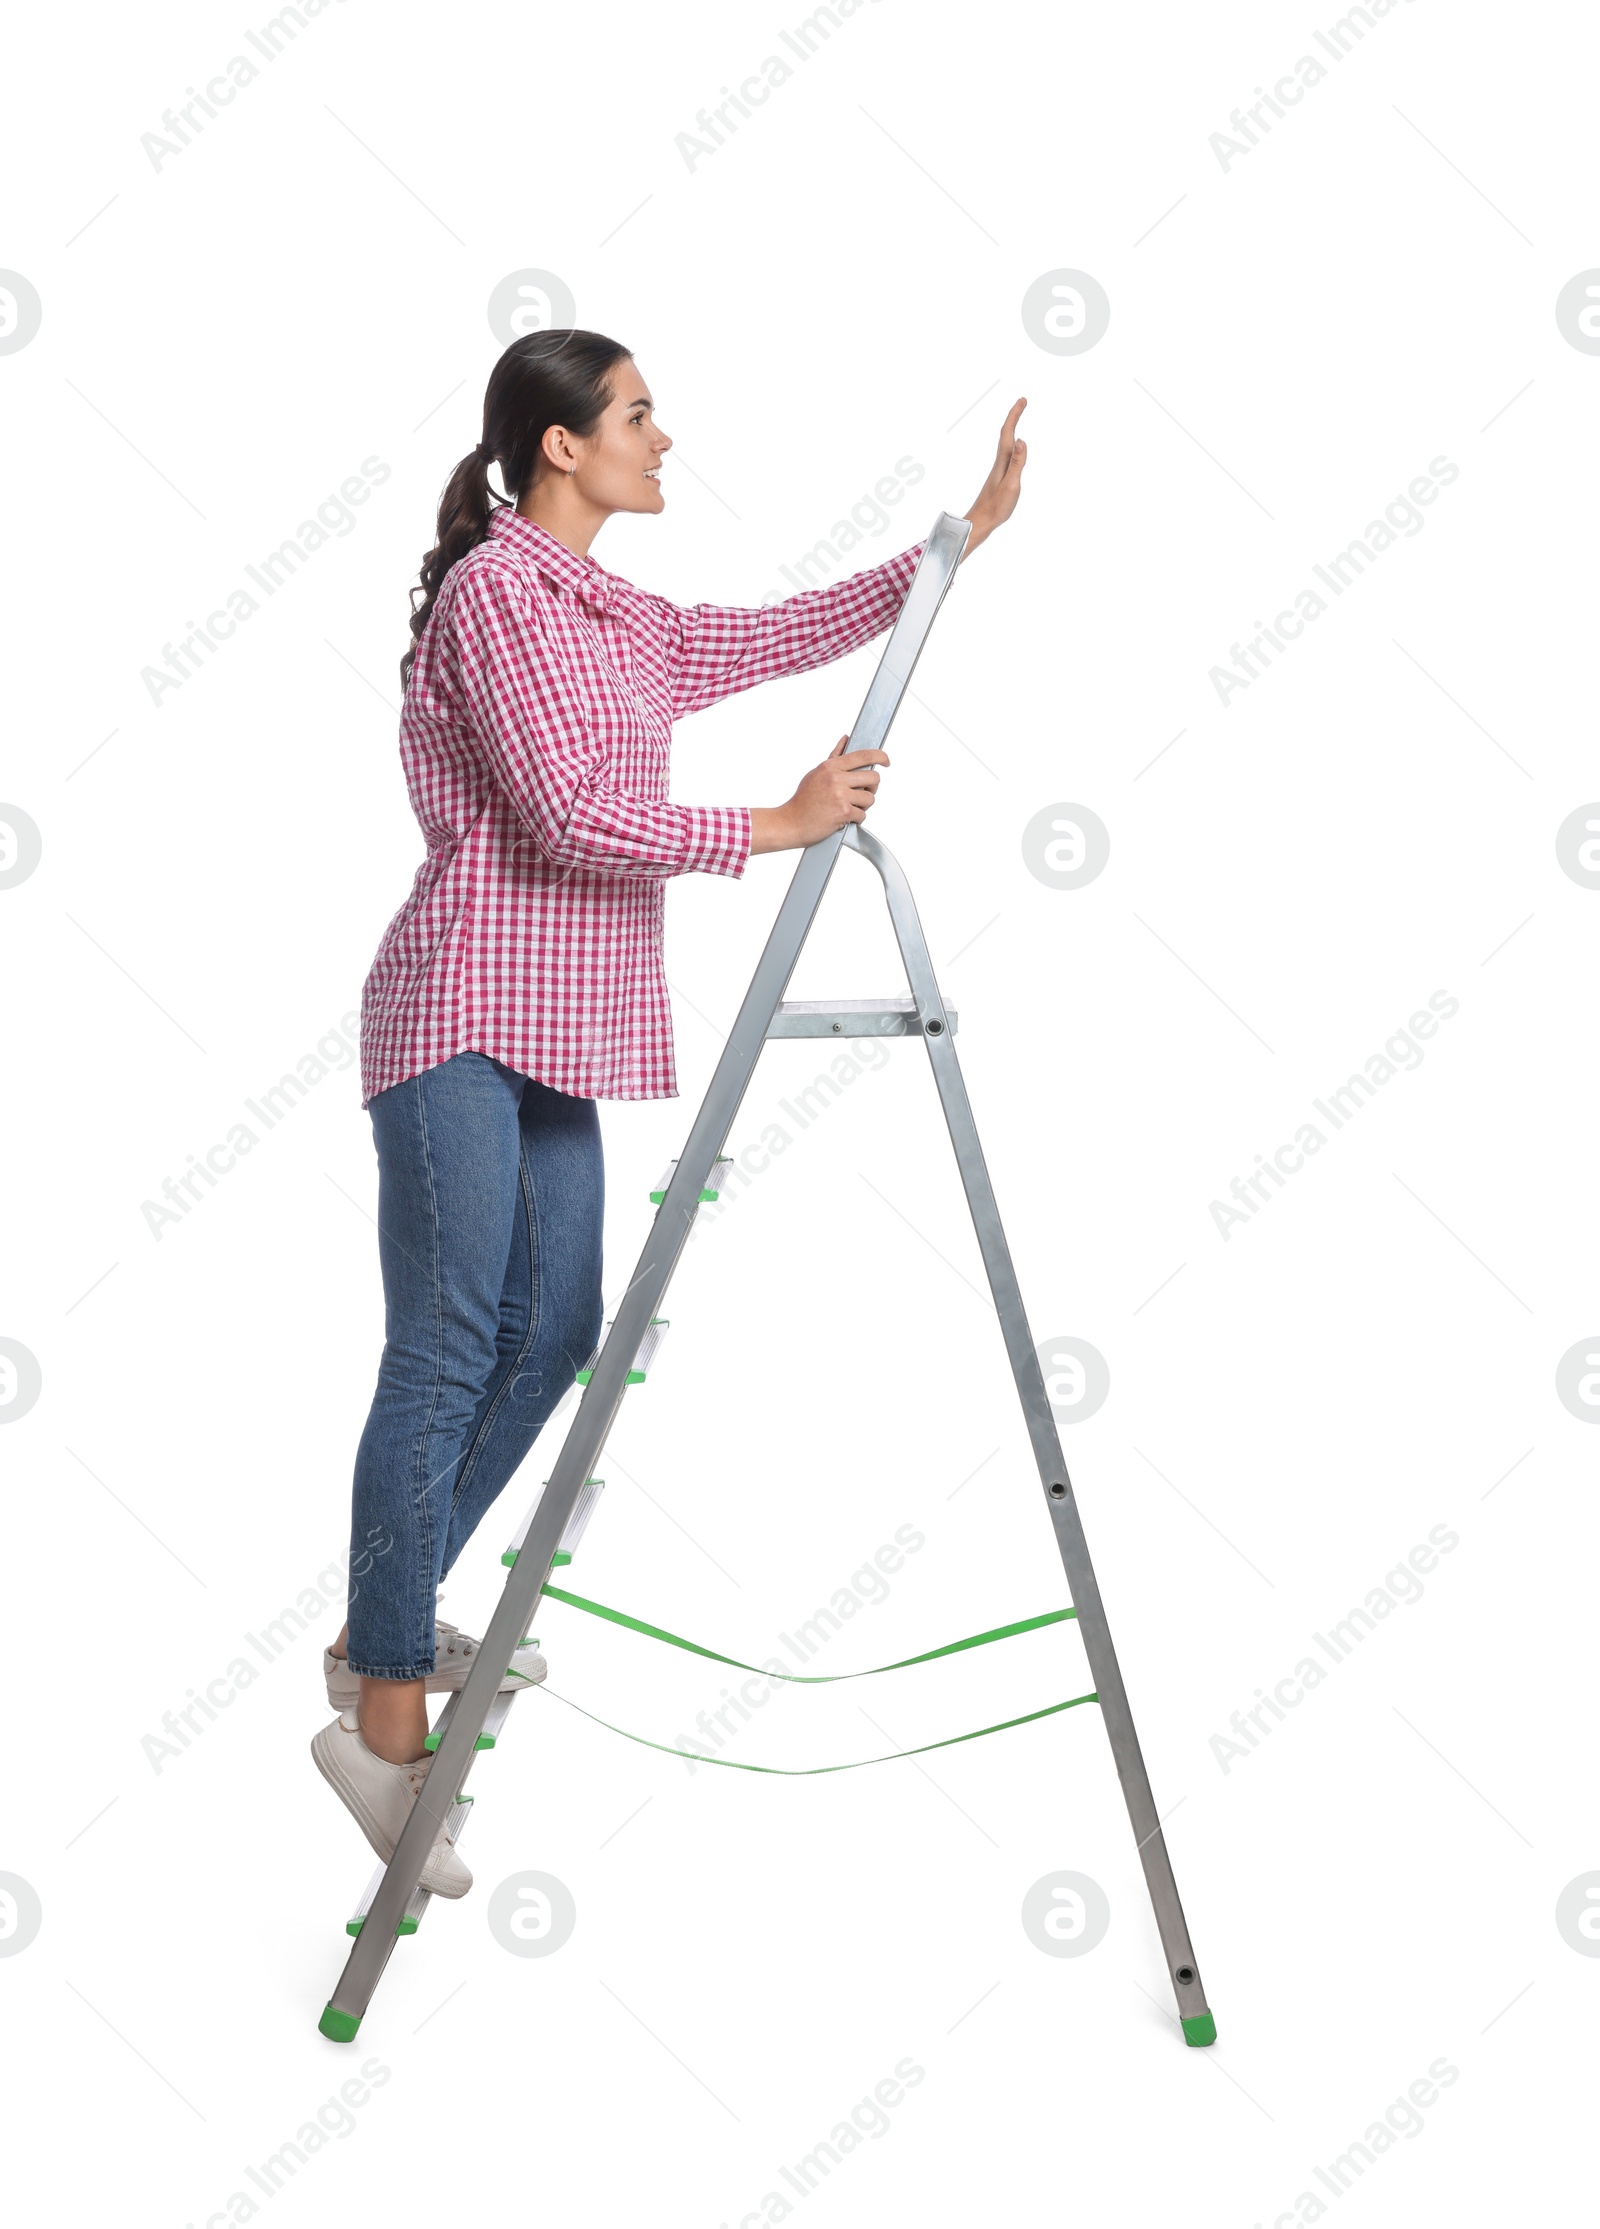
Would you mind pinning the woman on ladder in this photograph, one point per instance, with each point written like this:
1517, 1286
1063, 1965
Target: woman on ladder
522, 981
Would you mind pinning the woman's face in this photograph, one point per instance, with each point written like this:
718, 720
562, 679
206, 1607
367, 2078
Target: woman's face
618, 465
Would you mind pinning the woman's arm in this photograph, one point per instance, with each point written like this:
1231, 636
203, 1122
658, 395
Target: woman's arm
716, 650
537, 739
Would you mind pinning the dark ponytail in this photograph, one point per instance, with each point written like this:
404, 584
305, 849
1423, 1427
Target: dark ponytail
555, 378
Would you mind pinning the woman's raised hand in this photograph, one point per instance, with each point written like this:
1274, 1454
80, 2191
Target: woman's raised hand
997, 498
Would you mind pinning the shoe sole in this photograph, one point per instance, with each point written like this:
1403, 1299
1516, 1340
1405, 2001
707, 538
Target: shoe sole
324, 1756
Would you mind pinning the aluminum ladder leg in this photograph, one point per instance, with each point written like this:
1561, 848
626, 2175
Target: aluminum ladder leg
938, 1035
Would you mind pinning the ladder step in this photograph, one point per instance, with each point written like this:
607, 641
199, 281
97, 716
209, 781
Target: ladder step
718, 1176
582, 1510
411, 1917
852, 1017
654, 1332
493, 1725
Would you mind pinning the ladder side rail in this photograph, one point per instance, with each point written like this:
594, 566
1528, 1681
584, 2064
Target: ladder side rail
1183, 1969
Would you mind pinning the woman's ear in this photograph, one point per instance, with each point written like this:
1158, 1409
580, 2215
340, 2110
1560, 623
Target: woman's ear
557, 450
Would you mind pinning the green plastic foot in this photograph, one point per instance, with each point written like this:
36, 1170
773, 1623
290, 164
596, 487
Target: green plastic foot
1201, 2029
339, 2027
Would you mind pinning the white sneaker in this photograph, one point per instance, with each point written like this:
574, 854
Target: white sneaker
379, 1796
454, 1654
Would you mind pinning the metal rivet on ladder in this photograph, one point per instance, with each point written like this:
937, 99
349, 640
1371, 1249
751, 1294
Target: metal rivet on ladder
1057, 1490
1185, 1976
934, 1028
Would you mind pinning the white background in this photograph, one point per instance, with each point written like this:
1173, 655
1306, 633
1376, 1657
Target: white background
1371, 1889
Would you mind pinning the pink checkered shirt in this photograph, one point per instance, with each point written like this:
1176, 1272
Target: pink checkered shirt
535, 737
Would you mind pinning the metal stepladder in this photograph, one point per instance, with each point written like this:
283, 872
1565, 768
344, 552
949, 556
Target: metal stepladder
472, 1717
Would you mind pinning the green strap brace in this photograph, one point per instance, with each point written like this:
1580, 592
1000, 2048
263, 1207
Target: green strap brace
813, 1679
806, 1772
803, 1679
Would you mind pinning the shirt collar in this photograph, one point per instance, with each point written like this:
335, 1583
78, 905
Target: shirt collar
580, 576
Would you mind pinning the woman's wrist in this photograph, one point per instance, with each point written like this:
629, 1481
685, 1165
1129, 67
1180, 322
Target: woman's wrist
771, 829
982, 528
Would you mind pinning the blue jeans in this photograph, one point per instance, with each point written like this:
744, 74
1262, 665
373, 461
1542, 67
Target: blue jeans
491, 1193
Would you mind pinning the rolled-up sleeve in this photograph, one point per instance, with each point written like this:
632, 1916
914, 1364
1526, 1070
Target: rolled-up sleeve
543, 752
715, 650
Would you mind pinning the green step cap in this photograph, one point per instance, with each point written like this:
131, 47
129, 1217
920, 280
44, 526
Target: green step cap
339, 2027
1201, 2029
